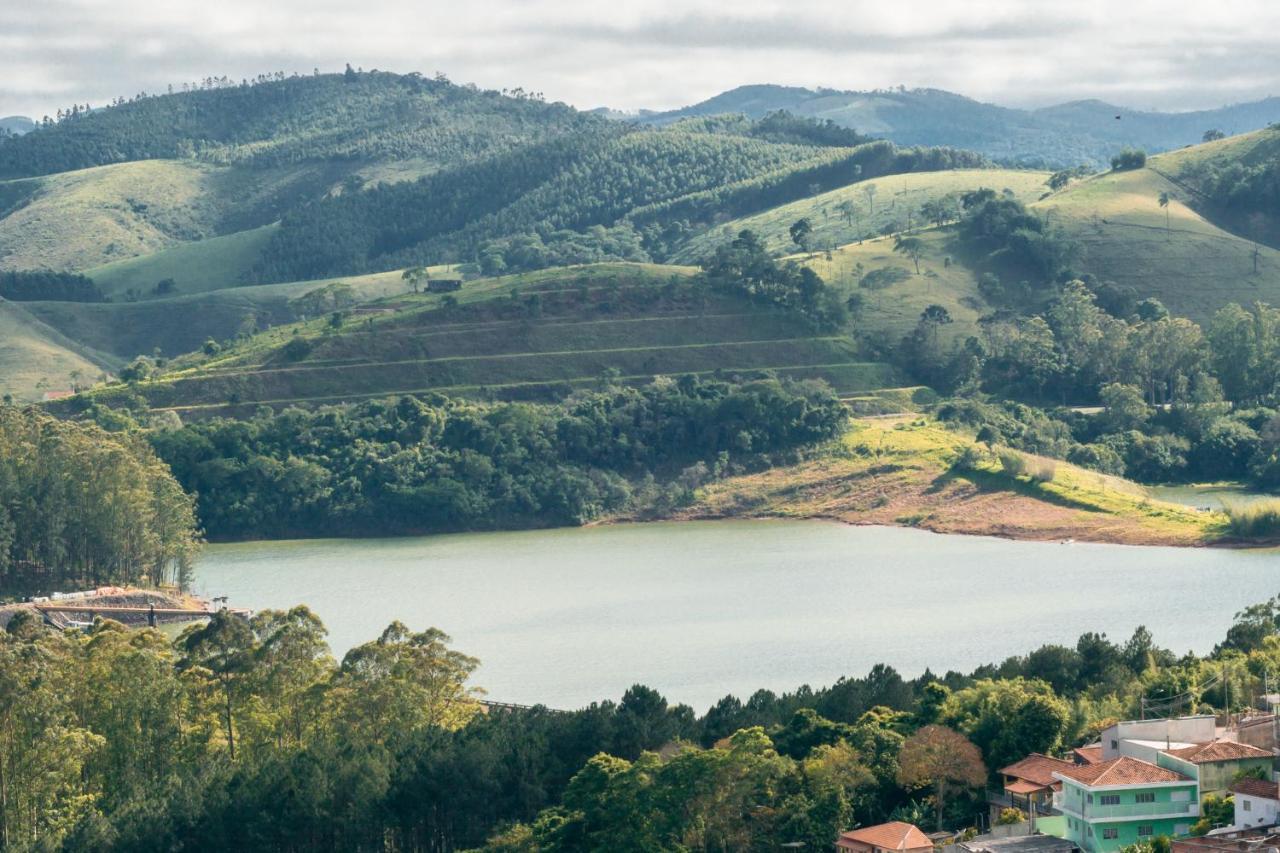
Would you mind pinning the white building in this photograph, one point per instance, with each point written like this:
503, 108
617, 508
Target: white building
1257, 803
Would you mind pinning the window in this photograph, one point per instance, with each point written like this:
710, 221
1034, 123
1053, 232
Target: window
1148, 797
1180, 796
1248, 805
1111, 832
1145, 830
1181, 828
1115, 745
1090, 798
1111, 799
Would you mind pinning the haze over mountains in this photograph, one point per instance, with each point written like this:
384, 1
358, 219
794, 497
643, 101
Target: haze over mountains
1069, 134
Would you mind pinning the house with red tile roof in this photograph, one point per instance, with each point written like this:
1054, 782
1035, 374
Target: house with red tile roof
1124, 801
1215, 765
1257, 803
1090, 754
892, 837
1029, 785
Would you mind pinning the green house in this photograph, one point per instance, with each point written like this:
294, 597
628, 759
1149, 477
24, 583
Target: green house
1216, 765
1126, 800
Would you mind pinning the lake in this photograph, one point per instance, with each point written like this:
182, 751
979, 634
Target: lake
701, 609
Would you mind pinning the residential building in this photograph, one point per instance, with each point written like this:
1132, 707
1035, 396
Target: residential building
1144, 739
1216, 765
1124, 801
1017, 844
1029, 785
1257, 803
892, 837
1090, 754
1253, 841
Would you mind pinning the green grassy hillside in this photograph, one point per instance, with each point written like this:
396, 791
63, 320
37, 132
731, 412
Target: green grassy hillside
182, 323
35, 358
875, 204
82, 219
196, 267
890, 311
1176, 254
526, 336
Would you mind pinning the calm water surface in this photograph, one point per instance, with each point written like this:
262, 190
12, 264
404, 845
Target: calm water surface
698, 610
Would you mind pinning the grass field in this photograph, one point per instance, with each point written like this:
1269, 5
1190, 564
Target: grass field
180, 324
895, 198
77, 220
195, 267
531, 336
35, 358
893, 311
904, 471
1187, 262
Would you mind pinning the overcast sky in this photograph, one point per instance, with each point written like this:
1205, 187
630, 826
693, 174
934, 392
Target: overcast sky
1173, 54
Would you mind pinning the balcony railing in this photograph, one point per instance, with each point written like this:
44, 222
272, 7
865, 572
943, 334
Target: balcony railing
1095, 811
1004, 799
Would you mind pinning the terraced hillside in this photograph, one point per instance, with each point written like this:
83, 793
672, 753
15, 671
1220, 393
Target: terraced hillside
1175, 254
865, 208
179, 324
527, 337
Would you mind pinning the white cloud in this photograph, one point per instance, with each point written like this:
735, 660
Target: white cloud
659, 53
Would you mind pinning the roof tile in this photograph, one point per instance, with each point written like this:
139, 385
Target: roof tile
1037, 768
894, 835
1219, 750
1120, 771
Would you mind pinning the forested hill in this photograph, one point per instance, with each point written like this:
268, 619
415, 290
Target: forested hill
1080, 132
281, 120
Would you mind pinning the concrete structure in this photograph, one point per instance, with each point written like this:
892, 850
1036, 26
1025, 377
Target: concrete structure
1232, 842
1124, 801
1257, 803
443, 285
1020, 844
1145, 739
892, 837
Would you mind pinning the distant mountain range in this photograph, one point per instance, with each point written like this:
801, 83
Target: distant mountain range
1079, 132
17, 125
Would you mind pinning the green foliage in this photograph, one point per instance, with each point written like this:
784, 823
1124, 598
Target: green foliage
451, 465
80, 507
43, 285
274, 120
1128, 159
746, 268
1255, 520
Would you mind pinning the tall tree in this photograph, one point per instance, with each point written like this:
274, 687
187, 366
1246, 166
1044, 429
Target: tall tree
943, 759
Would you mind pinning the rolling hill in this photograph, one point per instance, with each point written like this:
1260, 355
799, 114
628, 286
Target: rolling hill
35, 358
1178, 254
1080, 132
527, 336
864, 209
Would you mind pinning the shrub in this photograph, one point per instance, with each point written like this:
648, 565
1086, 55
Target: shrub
1010, 816
297, 349
1013, 462
971, 458
1042, 470
1254, 520
1129, 158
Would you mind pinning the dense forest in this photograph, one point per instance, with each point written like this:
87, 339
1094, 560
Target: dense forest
29, 286
662, 184
248, 735
437, 464
276, 120
80, 506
